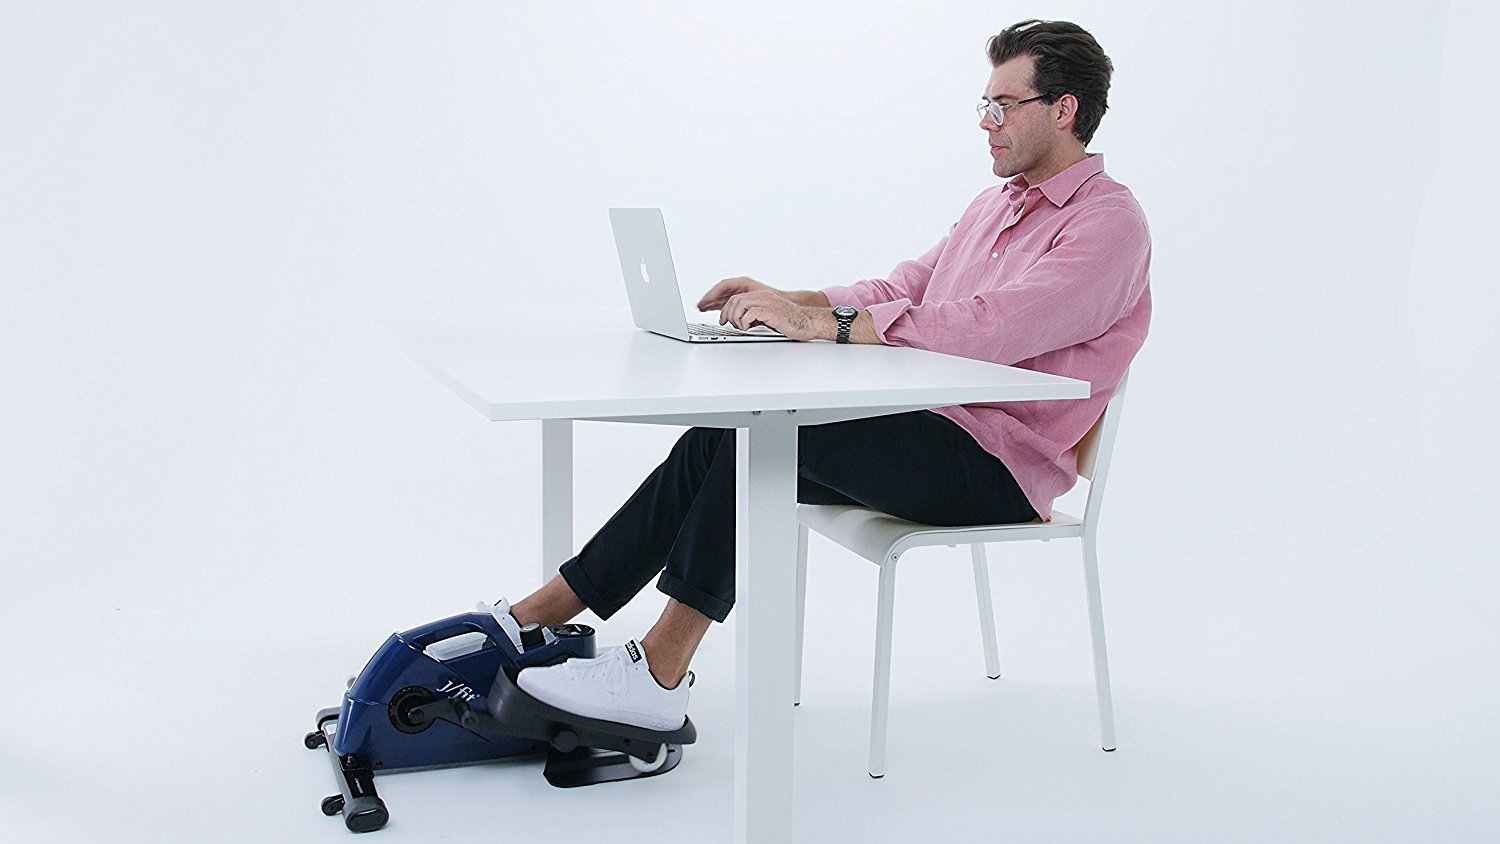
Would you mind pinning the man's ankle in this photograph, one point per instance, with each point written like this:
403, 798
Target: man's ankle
554, 603
664, 669
668, 680
522, 613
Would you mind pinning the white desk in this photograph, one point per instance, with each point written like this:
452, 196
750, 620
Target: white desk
765, 390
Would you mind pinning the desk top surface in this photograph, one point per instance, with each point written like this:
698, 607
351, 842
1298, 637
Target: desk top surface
531, 372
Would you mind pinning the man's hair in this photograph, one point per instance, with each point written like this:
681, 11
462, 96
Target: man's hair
1067, 60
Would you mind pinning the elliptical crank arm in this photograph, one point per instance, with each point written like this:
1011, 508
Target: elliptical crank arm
468, 713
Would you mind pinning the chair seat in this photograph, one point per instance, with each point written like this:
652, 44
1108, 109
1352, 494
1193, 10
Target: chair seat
880, 538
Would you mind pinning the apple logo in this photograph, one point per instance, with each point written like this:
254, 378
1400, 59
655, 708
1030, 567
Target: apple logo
645, 276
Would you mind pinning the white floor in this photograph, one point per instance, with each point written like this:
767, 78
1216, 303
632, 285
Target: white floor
154, 703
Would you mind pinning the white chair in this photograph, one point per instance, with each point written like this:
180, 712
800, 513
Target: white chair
882, 540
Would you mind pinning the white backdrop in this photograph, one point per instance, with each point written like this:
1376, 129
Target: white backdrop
217, 469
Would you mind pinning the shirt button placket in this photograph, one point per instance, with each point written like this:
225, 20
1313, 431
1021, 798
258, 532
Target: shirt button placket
1020, 207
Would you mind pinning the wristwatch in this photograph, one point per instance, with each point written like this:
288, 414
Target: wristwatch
845, 315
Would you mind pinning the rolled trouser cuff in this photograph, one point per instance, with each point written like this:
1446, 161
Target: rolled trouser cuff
716, 609
578, 580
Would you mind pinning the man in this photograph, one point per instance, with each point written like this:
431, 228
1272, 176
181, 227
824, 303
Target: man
1048, 271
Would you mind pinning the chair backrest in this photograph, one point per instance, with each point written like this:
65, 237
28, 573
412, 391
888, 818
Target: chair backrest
1098, 446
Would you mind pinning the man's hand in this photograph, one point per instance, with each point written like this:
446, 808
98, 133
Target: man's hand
769, 307
717, 295
799, 314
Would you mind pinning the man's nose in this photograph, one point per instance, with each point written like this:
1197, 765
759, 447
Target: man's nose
988, 123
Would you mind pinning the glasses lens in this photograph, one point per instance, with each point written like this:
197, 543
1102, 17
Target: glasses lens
993, 111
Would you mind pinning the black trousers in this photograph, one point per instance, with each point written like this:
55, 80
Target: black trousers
917, 466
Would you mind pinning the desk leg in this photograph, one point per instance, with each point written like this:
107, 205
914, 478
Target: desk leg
765, 606
557, 495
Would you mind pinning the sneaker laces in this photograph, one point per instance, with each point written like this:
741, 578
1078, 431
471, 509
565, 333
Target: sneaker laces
608, 667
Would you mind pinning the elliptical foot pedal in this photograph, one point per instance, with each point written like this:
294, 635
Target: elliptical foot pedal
585, 751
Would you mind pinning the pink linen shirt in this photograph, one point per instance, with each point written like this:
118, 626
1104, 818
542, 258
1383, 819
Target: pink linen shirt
1052, 277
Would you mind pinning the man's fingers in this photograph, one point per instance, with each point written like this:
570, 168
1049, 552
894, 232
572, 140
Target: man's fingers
714, 298
727, 289
741, 309
718, 293
752, 316
731, 309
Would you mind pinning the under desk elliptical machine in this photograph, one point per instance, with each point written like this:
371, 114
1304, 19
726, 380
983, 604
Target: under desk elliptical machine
444, 694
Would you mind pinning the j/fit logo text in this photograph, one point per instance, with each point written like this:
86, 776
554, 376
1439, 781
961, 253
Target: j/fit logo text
455, 690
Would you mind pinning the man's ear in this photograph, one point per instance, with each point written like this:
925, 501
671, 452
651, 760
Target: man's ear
1068, 112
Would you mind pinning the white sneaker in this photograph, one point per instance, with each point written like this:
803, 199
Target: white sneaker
614, 686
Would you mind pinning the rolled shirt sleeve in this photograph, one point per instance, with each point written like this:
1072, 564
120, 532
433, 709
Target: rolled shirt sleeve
906, 283
1073, 293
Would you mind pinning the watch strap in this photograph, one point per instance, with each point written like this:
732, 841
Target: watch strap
846, 322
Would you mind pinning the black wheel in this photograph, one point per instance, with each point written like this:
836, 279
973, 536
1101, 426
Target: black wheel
369, 818
333, 804
315, 740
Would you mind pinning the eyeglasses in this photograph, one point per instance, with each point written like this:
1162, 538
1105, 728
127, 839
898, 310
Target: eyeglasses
996, 111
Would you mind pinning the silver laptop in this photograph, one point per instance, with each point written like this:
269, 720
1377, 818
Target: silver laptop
651, 281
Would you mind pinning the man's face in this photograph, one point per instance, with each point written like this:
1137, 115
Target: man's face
1027, 138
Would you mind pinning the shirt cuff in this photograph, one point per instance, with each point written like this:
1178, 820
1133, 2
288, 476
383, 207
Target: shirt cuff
882, 314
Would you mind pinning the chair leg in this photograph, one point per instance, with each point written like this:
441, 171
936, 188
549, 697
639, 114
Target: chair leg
986, 611
881, 700
801, 606
1096, 629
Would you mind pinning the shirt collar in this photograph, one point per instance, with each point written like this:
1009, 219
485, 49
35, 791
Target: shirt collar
1061, 187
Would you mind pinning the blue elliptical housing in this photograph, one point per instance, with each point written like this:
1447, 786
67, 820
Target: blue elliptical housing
409, 671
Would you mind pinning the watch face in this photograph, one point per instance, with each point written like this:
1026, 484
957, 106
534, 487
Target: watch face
845, 311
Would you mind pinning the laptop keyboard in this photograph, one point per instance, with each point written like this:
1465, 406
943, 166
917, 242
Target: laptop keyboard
703, 330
